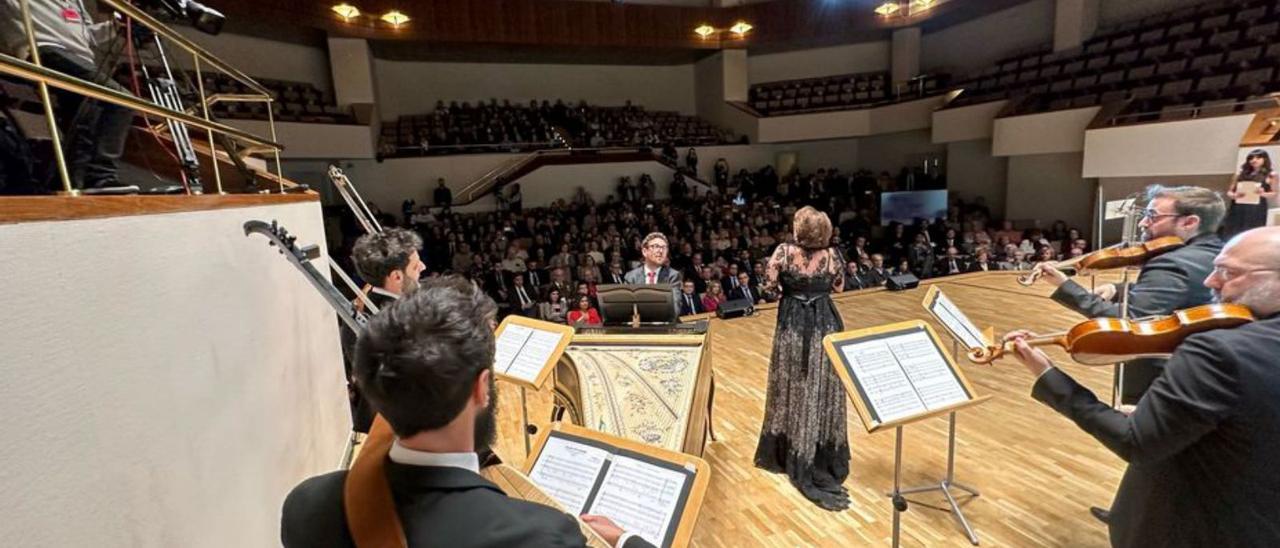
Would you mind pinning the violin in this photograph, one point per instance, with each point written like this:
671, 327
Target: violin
1116, 256
1105, 341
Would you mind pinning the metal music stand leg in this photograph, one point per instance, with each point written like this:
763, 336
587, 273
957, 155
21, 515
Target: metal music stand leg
947, 483
524, 420
899, 503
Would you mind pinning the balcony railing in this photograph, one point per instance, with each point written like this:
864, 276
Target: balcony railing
44, 77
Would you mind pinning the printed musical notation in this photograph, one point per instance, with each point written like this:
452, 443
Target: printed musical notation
523, 352
956, 321
640, 497
567, 471
903, 375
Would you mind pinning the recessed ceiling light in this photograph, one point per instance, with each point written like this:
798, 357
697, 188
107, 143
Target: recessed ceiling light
888, 8
347, 11
395, 18
704, 31
740, 28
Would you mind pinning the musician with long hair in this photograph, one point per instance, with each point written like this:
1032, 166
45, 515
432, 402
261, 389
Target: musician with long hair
1256, 168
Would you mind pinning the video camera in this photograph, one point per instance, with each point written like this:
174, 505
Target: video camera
202, 17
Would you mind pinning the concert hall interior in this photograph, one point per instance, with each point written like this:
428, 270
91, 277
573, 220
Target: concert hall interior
628, 273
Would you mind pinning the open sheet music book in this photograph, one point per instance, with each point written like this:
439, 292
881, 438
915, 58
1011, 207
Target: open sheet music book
897, 373
526, 350
647, 491
955, 320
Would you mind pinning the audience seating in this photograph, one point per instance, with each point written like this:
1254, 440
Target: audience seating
833, 93
1196, 59
512, 127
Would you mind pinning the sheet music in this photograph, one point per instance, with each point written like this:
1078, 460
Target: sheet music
640, 497
566, 471
903, 375
887, 388
523, 352
1251, 190
956, 322
928, 370
508, 346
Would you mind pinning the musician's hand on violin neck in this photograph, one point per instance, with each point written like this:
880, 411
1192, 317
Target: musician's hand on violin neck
1032, 358
1106, 292
1050, 273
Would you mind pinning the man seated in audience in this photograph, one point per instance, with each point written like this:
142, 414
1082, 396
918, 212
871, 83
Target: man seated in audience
524, 300
427, 365
981, 262
730, 280
876, 274
953, 263
689, 301
853, 276
745, 291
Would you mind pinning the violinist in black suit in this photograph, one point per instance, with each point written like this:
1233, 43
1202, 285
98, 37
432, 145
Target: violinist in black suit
436, 346
1203, 442
389, 263
1167, 283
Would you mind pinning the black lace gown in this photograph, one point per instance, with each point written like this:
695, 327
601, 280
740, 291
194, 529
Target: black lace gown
804, 433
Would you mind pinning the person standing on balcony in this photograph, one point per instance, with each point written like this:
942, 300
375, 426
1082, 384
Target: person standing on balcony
94, 132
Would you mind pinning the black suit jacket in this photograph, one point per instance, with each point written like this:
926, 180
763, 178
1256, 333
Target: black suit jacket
740, 294
438, 506
686, 308
1202, 445
1168, 282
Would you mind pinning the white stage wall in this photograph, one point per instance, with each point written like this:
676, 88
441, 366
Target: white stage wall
167, 380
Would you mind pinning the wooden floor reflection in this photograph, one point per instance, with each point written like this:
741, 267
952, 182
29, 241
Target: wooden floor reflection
1038, 473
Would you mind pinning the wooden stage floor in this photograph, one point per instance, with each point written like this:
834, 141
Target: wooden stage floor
1038, 473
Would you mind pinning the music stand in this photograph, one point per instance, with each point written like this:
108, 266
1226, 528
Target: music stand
620, 304
872, 383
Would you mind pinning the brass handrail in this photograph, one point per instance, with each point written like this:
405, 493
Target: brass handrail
30, 71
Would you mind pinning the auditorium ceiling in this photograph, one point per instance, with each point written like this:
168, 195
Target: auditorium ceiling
577, 31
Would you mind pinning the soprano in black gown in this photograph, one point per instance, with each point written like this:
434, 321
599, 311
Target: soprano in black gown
804, 433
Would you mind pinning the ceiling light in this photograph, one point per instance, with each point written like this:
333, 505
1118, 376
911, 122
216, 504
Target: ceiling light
924, 4
888, 8
395, 18
740, 28
347, 11
704, 31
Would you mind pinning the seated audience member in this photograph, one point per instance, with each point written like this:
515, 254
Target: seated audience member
555, 308
877, 274
981, 262
953, 263
689, 302
713, 298
583, 313
745, 291
524, 299
853, 276
426, 363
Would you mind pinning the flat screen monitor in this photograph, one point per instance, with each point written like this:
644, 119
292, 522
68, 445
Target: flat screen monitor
618, 302
907, 207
